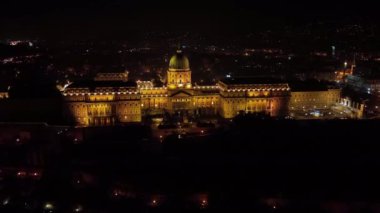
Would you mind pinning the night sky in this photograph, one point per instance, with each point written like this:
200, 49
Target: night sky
70, 18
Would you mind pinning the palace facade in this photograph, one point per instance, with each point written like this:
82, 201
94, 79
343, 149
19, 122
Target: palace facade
313, 95
111, 99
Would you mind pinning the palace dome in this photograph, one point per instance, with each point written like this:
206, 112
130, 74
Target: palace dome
179, 61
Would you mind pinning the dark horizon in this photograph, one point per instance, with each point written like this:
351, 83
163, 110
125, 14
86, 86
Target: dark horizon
118, 19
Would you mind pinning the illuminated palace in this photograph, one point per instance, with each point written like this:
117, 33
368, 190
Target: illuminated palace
112, 99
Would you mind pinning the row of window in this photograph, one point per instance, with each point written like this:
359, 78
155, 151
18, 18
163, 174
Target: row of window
330, 99
314, 95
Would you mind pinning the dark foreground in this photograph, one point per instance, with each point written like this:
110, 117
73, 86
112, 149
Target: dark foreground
255, 166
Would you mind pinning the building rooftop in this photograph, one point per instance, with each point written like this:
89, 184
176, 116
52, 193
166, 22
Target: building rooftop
310, 85
97, 84
251, 80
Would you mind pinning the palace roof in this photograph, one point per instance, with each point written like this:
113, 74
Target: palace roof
251, 80
310, 85
99, 84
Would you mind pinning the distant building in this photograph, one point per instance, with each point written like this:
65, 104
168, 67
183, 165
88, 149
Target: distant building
145, 84
3, 95
342, 74
333, 51
325, 75
365, 84
123, 76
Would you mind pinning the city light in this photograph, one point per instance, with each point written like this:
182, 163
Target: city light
21, 174
5, 201
48, 206
154, 202
204, 203
78, 208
